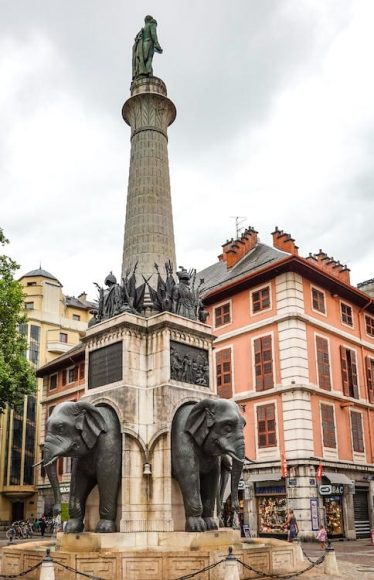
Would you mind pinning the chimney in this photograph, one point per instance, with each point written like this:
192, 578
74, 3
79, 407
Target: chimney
284, 242
234, 250
82, 297
330, 266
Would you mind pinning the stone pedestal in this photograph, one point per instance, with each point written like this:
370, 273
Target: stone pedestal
128, 366
149, 234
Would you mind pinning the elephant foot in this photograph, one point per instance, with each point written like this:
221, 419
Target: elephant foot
195, 524
105, 527
74, 526
211, 524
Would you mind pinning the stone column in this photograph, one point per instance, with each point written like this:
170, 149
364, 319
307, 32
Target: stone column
149, 233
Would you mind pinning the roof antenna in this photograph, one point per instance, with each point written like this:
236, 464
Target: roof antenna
239, 220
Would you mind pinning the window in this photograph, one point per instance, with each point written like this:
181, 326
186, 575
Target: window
263, 363
370, 378
323, 363
81, 370
34, 343
72, 375
328, 426
222, 314
346, 314
31, 283
53, 381
63, 377
29, 305
266, 427
318, 301
261, 299
76, 317
63, 337
357, 435
224, 377
369, 321
349, 372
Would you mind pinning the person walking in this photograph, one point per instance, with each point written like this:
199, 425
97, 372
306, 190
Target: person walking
42, 526
292, 527
322, 536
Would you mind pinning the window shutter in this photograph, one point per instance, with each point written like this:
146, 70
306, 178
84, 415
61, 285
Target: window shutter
323, 363
344, 365
357, 435
258, 365
370, 378
328, 426
354, 375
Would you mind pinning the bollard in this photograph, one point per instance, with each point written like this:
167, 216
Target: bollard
299, 556
47, 571
231, 567
331, 565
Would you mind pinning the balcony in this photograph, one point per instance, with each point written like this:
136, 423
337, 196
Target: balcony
58, 347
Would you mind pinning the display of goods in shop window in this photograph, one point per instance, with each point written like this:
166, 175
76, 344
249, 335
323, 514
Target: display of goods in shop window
272, 513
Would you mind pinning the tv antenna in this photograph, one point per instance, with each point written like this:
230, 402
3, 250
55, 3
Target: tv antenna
239, 221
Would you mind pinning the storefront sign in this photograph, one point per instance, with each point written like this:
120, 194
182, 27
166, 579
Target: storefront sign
314, 514
271, 490
65, 488
241, 485
331, 489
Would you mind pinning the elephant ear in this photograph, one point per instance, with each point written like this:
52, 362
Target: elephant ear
200, 420
90, 422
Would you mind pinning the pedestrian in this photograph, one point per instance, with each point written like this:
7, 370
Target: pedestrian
322, 536
292, 527
42, 526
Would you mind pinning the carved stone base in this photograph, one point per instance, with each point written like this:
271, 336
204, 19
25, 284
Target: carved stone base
152, 556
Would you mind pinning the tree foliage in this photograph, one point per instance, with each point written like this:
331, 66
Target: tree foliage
17, 377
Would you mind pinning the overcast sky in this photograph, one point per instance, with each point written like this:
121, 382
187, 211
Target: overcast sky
275, 122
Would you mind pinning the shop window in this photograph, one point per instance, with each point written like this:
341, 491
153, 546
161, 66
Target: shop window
272, 510
263, 363
334, 515
76, 317
318, 301
357, 434
369, 322
53, 382
349, 372
29, 305
261, 299
346, 314
370, 378
63, 337
328, 426
222, 315
224, 373
323, 363
266, 426
72, 374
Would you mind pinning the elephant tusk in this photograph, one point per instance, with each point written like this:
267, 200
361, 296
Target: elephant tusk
50, 462
235, 457
39, 463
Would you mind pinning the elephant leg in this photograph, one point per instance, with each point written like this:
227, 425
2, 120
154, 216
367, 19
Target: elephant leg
209, 490
190, 488
108, 478
80, 487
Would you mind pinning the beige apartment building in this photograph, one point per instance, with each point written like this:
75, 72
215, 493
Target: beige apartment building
55, 323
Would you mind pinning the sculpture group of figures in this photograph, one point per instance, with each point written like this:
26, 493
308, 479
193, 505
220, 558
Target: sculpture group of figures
182, 297
207, 443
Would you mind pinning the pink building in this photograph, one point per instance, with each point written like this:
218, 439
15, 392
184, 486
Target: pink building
295, 348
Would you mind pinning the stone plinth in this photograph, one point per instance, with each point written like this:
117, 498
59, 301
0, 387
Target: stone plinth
145, 400
149, 233
165, 561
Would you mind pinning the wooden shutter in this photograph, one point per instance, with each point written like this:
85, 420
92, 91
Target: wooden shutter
224, 374
370, 378
354, 374
328, 426
344, 365
323, 363
263, 363
357, 435
266, 427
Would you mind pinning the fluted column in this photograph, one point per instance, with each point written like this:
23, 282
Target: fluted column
149, 232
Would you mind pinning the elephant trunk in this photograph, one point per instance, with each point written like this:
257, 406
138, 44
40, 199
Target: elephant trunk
50, 468
237, 467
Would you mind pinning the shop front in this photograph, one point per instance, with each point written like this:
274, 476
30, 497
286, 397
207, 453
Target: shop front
271, 506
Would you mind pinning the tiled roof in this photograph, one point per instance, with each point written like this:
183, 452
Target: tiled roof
73, 301
42, 273
58, 362
218, 275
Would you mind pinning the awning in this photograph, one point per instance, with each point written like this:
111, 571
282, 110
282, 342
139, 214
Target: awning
265, 477
337, 477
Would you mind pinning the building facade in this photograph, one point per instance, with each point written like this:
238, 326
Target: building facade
54, 325
295, 348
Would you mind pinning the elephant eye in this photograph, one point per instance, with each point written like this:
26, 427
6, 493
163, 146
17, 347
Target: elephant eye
60, 428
